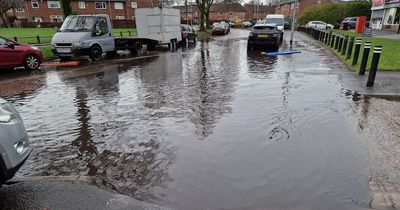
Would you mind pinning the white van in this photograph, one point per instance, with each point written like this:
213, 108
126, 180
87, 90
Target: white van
277, 19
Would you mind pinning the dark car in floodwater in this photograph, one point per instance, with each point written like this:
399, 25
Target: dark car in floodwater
188, 34
264, 35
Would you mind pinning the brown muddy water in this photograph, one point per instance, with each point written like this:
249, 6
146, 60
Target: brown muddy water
209, 127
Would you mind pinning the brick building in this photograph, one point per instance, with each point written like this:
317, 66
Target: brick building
255, 12
227, 11
189, 14
50, 11
286, 7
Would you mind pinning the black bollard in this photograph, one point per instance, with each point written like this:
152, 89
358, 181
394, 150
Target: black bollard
364, 59
374, 66
340, 44
329, 37
350, 49
333, 40
337, 42
346, 39
356, 51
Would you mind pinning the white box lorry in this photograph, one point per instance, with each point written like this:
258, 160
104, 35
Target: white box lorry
161, 24
92, 34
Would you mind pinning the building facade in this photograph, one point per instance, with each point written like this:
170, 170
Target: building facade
189, 13
385, 15
50, 11
286, 7
227, 11
255, 12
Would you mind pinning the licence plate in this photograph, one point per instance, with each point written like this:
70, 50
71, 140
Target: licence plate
262, 36
64, 50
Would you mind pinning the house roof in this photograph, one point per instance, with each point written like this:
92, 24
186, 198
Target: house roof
283, 2
262, 8
227, 7
182, 8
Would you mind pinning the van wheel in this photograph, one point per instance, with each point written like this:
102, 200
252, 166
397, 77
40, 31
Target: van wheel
95, 53
31, 62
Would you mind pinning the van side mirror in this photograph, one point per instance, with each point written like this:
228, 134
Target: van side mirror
10, 45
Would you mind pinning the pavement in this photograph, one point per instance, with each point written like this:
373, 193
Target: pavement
49, 195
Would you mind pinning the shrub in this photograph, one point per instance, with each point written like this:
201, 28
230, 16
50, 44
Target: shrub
335, 13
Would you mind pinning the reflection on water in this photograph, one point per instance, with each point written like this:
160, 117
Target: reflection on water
210, 127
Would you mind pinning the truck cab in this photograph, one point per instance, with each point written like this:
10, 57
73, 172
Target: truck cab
84, 35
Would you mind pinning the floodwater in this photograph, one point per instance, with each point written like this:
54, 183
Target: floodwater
208, 127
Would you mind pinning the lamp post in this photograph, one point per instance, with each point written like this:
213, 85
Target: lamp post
293, 22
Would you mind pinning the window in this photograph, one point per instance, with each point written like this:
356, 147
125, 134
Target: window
81, 4
2, 41
56, 18
230, 13
120, 17
134, 5
220, 13
118, 5
35, 4
292, 6
133, 17
53, 4
100, 5
37, 19
101, 27
19, 10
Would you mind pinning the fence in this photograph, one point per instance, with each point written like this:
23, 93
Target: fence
43, 40
344, 45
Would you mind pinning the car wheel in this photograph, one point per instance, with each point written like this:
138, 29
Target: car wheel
185, 41
95, 53
249, 47
31, 62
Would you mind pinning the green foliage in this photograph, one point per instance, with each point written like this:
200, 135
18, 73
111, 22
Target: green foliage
335, 13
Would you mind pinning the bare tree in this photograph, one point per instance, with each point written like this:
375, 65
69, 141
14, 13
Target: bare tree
6, 5
204, 7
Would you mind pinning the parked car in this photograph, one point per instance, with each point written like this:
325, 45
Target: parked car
287, 25
264, 35
188, 34
15, 54
246, 24
14, 143
349, 23
220, 28
319, 25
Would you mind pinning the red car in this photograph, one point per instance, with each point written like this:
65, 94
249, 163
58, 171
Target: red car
13, 54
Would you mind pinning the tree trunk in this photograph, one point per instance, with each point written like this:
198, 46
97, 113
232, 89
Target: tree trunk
5, 20
202, 28
207, 15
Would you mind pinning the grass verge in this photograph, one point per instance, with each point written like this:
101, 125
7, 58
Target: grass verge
47, 53
28, 35
389, 60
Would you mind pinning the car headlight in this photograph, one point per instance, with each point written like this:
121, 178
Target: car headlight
35, 48
251, 34
274, 35
77, 44
7, 113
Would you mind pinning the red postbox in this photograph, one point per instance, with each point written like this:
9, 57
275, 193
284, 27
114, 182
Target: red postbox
360, 24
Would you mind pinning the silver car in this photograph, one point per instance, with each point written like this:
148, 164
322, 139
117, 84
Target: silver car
14, 144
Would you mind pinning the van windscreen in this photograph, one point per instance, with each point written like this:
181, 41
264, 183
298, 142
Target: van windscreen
277, 21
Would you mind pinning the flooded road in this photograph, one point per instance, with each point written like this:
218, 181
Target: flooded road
208, 127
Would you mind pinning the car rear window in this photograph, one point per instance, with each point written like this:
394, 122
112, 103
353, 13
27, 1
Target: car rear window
264, 29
